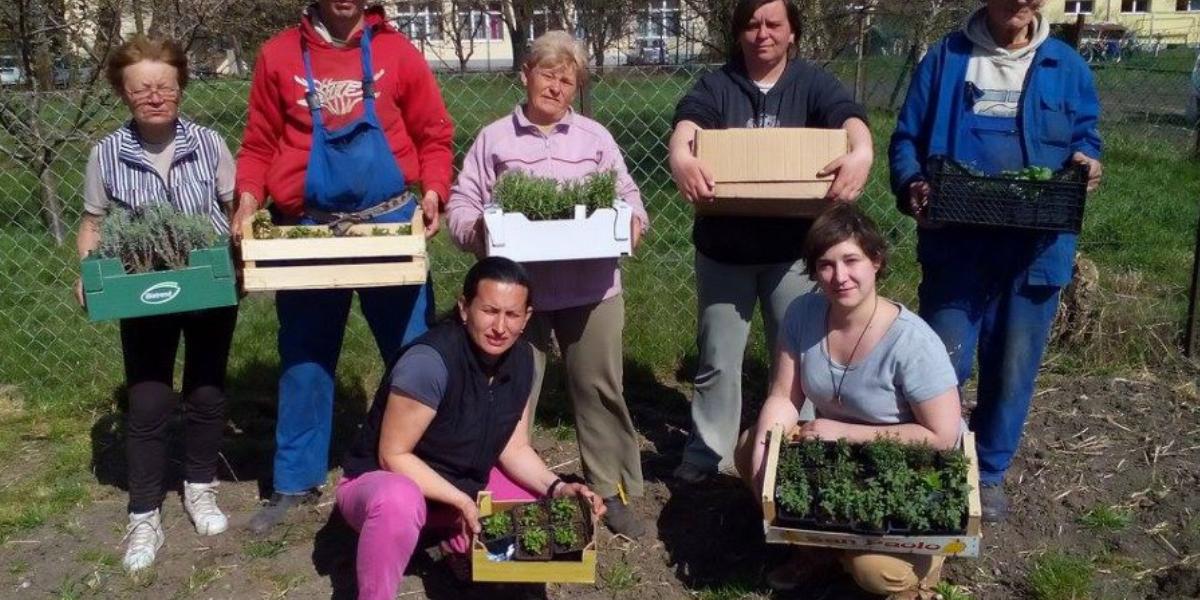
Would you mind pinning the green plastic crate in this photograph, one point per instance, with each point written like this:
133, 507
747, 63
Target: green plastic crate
111, 293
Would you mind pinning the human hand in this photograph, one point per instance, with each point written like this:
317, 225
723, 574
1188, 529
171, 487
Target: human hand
850, 173
79, 293
693, 178
578, 489
1095, 169
918, 203
242, 217
823, 429
432, 209
636, 234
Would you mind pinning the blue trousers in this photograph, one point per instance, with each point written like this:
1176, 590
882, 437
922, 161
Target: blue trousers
981, 300
312, 324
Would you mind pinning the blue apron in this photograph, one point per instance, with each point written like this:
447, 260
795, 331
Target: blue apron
351, 169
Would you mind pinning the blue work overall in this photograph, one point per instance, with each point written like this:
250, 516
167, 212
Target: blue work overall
349, 170
977, 292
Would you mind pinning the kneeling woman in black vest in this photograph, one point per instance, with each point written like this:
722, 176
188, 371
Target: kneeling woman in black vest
448, 421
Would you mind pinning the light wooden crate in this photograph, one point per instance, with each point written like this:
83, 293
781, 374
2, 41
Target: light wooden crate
967, 544
337, 262
526, 571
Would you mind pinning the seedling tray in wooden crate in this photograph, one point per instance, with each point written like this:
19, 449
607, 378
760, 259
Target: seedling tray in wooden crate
959, 196
781, 528
207, 282
371, 255
556, 564
606, 233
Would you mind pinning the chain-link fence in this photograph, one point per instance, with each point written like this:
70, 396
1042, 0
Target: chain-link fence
1139, 227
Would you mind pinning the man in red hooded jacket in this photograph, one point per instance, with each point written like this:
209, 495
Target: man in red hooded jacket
345, 115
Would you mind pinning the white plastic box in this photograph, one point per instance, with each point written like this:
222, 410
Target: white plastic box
604, 234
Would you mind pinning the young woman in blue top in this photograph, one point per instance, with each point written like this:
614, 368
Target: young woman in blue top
870, 368
999, 95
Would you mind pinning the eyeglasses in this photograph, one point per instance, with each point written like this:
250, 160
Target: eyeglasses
167, 94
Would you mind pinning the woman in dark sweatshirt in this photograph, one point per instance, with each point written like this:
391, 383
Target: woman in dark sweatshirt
741, 261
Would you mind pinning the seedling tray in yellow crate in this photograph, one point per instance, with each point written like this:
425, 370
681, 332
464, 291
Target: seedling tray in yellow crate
371, 255
967, 543
483, 568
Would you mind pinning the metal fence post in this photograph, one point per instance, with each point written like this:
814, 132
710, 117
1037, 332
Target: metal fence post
1189, 330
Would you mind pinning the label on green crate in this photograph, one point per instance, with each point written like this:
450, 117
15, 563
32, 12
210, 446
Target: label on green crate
160, 293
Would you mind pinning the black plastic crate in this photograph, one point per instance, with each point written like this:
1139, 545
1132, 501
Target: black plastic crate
959, 196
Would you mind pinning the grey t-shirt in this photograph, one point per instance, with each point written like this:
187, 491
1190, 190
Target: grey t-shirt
96, 202
908, 366
421, 374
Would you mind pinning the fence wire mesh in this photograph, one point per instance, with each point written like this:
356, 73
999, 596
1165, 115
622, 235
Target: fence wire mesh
1127, 310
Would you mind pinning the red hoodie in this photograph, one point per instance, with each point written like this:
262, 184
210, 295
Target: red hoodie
275, 145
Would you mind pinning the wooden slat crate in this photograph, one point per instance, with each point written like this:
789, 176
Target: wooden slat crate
336, 262
966, 544
523, 571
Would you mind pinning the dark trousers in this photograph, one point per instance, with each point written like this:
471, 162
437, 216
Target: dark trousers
149, 345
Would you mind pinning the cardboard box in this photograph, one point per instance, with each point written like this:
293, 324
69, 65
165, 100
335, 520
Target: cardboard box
358, 261
522, 571
606, 233
207, 282
967, 544
769, 171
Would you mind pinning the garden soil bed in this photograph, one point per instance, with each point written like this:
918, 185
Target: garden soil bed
1090, 442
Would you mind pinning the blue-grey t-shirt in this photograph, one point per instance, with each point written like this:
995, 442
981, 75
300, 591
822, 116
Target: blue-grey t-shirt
908, 366
421, 374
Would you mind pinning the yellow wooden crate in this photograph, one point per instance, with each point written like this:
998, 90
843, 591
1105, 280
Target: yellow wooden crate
358, 261
523, 571
967, 544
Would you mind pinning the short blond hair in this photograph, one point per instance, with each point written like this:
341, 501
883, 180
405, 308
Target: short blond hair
556, 49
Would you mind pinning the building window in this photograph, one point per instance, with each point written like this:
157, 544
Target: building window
658, 19
1187, 5
1078, 7
419, 20
544, 19
484, 23
1135, 6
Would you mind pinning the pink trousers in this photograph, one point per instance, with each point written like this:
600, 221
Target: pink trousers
389, 512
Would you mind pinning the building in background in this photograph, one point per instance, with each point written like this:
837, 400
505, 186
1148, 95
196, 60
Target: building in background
1168, 22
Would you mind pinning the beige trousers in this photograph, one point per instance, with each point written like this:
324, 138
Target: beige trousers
589, 338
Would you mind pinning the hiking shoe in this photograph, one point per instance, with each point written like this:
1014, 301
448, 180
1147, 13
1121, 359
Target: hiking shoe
145, 536
200, 503
994, 502
276, 509
621, 520
690, 473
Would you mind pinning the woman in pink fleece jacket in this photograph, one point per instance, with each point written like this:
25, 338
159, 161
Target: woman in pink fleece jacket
577, 303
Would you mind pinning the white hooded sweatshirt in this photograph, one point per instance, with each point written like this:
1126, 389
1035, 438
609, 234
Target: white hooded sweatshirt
999, 74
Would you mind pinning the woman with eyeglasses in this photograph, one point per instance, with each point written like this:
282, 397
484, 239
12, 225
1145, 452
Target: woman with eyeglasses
159, 157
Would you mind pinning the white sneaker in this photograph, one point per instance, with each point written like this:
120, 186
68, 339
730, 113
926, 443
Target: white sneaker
200, 503
145, 536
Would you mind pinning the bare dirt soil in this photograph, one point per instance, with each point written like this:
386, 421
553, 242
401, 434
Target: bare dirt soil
1129, 444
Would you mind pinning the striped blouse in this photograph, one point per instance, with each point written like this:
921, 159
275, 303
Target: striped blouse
122, 173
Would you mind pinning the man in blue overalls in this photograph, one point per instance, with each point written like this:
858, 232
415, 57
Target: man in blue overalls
999, 95
344, 115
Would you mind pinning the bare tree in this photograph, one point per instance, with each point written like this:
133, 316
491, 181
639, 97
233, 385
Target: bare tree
462, 25
518, 18
602, 22
924, 21
35, 124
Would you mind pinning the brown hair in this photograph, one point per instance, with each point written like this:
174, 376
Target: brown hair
840, 222
143, 48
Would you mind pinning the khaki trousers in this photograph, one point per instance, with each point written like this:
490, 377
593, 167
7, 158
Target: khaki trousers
589, 338
885, 574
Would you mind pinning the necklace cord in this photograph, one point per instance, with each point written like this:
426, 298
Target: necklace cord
837, 389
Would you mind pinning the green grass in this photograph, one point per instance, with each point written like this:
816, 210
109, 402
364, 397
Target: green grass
619, 578
264, 549
1106, 519
1058, 576
949, 591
